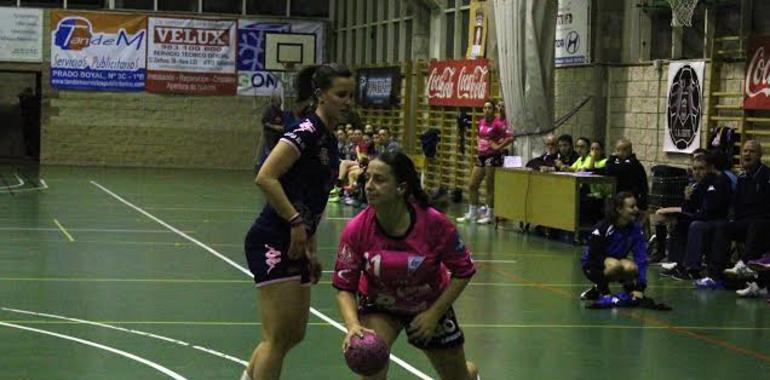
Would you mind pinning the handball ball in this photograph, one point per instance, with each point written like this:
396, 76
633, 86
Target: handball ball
368, 355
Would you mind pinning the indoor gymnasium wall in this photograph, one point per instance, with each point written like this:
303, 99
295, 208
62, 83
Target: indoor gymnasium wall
144, 129
637, 102
571, 85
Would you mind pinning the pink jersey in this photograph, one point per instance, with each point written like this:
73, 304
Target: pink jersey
495, 131
406, 275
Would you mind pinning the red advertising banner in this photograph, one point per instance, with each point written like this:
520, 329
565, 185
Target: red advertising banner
463, 83
756, 88
191, 56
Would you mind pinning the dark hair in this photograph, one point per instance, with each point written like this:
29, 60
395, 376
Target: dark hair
699, 151
565, 138
404, 171
588, 142
615, 203
318, 77
601, 144
720, 161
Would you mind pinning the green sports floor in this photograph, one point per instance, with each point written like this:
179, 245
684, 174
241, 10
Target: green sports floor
139, 274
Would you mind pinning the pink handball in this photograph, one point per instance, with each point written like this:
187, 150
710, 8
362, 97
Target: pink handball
368, 355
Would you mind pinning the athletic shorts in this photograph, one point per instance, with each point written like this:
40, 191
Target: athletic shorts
266, 252
448, 335
492, 160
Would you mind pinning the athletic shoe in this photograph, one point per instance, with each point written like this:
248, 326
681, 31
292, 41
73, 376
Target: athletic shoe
751, 291
606, 301
709, 283
334, 198
761, 264
740, 270
468, 217
668, 266
592, 294
335, 191
484, 220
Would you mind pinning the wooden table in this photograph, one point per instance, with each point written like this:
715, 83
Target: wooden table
543, 199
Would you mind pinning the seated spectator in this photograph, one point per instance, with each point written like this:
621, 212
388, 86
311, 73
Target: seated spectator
584, 150
605, 259
547, 159
567, 154
628, 172
384, 142
342, 144
596, 159
707, 202
355, 137
750, 224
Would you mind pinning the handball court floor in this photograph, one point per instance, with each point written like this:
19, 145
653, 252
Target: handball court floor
140, 274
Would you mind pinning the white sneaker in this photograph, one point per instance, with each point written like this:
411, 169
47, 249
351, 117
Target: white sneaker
740, 270
668, 266
752, 291
484, 220
468, 217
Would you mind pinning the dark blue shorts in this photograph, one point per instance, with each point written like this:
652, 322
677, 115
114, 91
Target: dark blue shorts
448, 334
266, 252
490, 160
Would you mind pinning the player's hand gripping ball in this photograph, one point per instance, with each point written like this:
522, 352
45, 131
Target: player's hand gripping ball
368, 355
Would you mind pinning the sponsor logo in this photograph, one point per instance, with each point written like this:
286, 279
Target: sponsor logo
441, 84
473, 84
757, 81
191, 36
573, 42
76, 33
272, 258
414, 263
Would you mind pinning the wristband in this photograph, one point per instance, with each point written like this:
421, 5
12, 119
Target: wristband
296, 220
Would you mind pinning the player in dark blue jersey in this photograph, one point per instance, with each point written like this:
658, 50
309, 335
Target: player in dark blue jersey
280, 246
614, 239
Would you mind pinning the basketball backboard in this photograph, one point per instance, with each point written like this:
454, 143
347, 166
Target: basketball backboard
289, 51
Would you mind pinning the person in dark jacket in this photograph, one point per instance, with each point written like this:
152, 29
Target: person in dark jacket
628, 172
706, 205
750, 224
567, 154
606, 260
547, 160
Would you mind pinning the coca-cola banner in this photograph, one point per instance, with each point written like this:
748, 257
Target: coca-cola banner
684, 108
463, 83
756, 88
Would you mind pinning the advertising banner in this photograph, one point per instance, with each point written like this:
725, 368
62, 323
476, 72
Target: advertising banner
191, 56
378, 86
573, 25
21, 35
756, 86
462, 83
98, 51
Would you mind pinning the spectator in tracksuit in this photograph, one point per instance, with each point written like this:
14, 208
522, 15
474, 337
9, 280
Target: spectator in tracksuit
628, 172
706, 205
751, 225
606, 260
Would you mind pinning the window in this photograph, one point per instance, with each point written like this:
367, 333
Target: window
464, 35
373, 44
408, 41
134, 4
384, 34
450, 4
222, 6
397, 9
87, 4
385, 15
450, 35
373, 16
311, 8
43, 3
8, 3
396, 40
178, 5
267, 8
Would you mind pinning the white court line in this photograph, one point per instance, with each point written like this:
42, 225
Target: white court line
64, 231
245, 271
88, 230
495, 261
130, 331
20, 184
45, 186
131, 356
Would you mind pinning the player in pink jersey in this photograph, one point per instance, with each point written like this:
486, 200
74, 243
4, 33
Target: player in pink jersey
396, 257
493, 137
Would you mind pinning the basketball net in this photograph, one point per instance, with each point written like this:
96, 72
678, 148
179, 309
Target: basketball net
681, 12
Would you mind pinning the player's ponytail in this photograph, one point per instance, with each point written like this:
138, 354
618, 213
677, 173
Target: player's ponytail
404, 171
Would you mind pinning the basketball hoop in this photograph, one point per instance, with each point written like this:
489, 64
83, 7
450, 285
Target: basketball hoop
681, 12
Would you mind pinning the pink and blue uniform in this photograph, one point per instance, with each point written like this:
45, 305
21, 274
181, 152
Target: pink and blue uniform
403, 276
490, 132
307, 184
